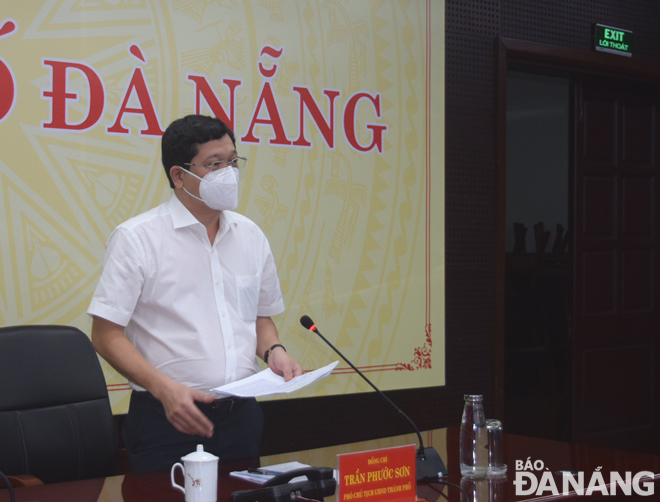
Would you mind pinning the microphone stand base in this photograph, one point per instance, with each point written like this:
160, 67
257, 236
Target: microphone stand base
429, 465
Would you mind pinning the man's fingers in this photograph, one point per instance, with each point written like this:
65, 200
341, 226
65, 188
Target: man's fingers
283, 364
186, 417
287, 372
203, 397
192, 422
199, 423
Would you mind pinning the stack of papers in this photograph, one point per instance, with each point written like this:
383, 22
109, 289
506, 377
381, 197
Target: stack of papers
267, 383
269, 472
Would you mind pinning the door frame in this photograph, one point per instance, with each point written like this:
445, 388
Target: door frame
511, 52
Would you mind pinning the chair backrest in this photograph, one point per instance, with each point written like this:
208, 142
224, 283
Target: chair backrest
55, 417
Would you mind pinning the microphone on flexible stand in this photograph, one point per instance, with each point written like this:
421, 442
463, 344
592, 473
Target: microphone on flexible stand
428, 464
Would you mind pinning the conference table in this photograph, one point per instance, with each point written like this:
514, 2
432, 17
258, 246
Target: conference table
521, 454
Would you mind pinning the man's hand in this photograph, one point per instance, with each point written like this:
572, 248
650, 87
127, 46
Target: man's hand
283, 364
111, 343
279, 361
181, 410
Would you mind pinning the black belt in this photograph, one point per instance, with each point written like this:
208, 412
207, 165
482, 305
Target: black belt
225, 404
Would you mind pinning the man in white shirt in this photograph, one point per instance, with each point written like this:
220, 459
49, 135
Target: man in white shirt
184, 303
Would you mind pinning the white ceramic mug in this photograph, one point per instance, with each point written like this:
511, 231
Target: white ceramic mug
200, 471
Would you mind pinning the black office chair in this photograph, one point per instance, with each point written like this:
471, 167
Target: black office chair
55, 417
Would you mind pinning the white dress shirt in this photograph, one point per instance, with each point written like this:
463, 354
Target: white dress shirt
189, 306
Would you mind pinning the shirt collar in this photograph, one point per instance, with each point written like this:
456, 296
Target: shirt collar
181, 217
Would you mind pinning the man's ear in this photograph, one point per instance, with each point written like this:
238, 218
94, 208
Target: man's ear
177, 176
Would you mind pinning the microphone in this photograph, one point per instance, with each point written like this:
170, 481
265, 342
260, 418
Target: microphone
428, 464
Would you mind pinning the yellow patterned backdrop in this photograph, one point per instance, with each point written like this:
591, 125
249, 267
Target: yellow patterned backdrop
356, 224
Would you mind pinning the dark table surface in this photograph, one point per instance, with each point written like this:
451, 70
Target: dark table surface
518, 450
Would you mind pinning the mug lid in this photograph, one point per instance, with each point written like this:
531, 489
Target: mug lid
199, 455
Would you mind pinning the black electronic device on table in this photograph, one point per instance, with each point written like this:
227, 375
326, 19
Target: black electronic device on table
320, 483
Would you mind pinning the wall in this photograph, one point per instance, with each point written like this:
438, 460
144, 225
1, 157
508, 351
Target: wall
472, 197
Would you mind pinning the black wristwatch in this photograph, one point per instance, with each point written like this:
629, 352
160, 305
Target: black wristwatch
267, 353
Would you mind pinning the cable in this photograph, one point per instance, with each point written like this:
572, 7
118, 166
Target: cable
12, 497
439, 481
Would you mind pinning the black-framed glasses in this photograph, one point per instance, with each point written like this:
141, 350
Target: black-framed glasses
237, 162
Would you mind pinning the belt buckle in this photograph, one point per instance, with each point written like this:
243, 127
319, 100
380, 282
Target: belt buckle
219, 402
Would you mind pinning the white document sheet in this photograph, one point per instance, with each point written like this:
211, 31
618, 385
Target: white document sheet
267, 383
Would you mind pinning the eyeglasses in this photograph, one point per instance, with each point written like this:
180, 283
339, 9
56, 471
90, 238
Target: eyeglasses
237, 162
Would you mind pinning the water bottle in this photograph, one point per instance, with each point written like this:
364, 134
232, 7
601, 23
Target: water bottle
474, 438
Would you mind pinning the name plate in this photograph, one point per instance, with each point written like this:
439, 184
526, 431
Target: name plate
387, 474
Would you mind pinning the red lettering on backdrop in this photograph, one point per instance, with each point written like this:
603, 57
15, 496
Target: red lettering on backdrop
146, 108
8, 27
326, 128
349, 123
204, 91
266, 97
138, 92
58, 95
7, 81
275, 54
274, 119
8, 90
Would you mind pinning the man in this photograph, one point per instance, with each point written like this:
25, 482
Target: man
184, 303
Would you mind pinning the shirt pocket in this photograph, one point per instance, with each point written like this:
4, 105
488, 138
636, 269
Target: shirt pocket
247, 287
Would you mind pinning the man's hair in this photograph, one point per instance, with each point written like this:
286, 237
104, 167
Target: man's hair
182, 138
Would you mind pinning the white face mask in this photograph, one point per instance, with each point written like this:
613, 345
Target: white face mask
218, 189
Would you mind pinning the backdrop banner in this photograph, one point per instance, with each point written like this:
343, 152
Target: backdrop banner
337, 104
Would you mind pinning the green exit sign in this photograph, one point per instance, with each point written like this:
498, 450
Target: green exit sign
613, 40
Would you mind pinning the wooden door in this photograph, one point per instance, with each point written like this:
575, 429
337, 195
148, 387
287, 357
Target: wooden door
616, 265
